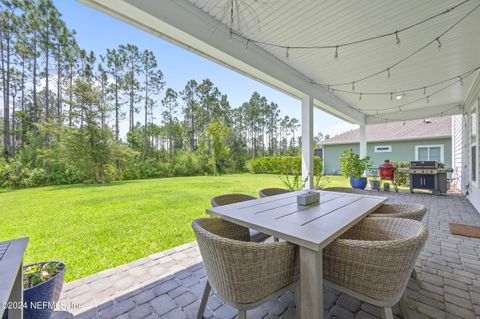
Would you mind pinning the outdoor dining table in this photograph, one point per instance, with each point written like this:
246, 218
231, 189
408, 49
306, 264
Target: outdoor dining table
311, 227
11, 277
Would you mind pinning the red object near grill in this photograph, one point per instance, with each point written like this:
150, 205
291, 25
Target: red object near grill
387, 171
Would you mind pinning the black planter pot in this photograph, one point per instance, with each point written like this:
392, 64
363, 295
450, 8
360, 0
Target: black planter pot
40, 300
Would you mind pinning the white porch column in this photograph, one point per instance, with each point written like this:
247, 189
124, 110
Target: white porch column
307, 141
363, 141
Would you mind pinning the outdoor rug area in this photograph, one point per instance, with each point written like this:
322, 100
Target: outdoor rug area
465, 230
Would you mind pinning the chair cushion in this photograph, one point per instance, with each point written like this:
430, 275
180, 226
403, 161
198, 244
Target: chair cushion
257, 236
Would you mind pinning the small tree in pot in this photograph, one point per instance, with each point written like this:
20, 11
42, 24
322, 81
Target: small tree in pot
354, 167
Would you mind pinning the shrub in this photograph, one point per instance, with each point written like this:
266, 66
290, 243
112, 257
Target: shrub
14, 176
351, 165
140, 168
281, 165
402, 179
61, 173
289, 169
33, 177
187, 164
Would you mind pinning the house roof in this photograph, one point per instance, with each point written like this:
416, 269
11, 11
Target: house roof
408, 130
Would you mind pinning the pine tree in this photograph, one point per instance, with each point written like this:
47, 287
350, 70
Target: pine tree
114, 61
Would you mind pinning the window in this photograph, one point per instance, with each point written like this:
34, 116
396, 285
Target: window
474, 163
383, 148
429, 153
473, 127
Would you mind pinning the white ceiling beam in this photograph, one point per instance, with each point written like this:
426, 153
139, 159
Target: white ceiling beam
420, 113
182, 23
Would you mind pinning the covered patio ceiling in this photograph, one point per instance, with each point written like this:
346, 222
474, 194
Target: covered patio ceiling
434, 67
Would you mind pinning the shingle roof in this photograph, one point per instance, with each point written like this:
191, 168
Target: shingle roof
439, 127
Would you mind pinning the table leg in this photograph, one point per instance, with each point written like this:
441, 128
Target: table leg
311, 284
16, 297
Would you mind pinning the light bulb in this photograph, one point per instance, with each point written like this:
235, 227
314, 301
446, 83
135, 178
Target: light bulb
397, 39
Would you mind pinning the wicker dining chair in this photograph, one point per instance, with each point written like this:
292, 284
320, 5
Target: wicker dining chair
226, 199
411, 211
344, 190
373, 260
272, 191
244, 274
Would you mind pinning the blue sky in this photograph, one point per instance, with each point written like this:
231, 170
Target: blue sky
97, 32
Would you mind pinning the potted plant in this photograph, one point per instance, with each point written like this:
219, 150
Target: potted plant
42, 282
354, 167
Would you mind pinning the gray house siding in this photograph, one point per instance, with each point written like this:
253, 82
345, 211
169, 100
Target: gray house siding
401, 151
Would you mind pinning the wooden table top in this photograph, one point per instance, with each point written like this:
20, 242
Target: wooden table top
313, 226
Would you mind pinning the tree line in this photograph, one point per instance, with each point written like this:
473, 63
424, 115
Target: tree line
63, 108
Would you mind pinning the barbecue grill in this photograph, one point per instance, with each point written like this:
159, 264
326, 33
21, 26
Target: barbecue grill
384, 172
387, 173
427, 175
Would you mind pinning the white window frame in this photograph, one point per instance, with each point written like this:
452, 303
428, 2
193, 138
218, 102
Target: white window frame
442, 151
474, 142
377, 150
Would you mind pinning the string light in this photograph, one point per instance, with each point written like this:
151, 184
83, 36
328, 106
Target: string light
457, 107
397, 39
287, 55
391, 96
420, 88
360, 97
353, 86
417, 100
436, 40
230, 36
354, 42
461, 81
439, 46
388, 73
246, 45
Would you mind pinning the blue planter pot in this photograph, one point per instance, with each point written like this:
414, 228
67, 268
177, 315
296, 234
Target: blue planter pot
48, 291
359, 183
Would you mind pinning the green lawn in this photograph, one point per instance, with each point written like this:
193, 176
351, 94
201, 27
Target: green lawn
95, 227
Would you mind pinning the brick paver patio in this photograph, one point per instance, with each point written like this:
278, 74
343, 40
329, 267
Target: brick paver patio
169, 284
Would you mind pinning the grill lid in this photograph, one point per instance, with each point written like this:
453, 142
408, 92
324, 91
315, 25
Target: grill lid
423, 164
